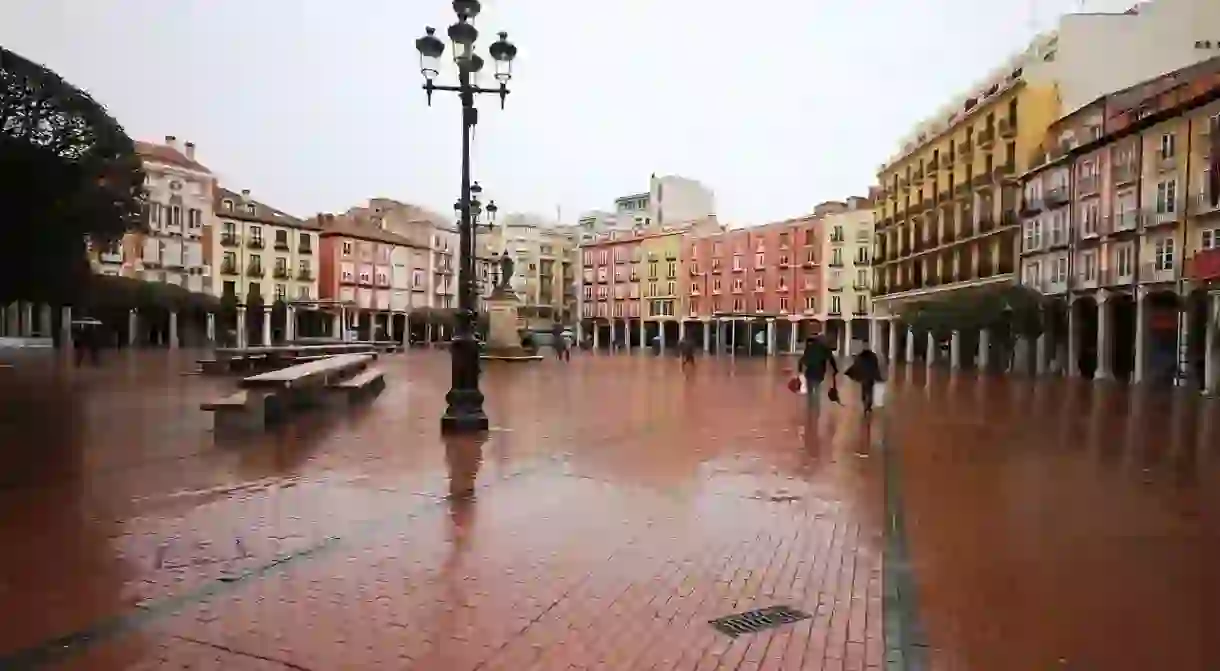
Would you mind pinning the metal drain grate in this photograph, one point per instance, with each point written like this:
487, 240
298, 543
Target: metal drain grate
754, 621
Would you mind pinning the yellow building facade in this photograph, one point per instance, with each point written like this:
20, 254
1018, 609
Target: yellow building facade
947, 207
659, 267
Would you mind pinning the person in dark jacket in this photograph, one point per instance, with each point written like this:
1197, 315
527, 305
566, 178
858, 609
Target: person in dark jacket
687, 347
817, 357
865, 369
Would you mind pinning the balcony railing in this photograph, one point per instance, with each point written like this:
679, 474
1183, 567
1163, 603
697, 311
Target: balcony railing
1165, 163
281, 245
1084, 281
965, 152
1030, 206
1205, 204
280, 273
1124, 221
1112, 277
305, 275
1153, 218
1056, 196
1008, 128
255, 271
1088, 185
1154, 272
987, 137
229, 241
255, 243
1124, 173
1204, 266
228, 269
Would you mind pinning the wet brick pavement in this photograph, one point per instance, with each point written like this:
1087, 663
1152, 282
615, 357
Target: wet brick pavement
616, 508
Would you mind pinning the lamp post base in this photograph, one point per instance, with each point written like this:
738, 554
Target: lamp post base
464, 413
475, 422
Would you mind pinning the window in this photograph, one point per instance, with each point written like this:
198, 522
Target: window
1166, 196
652, 270
811, 303
671, 288
1168, 142
229, 262
784, 304
1033, 273
194, 218
382, 278
365, 277
861, 278
281, 291
759, 305
347, 248
810, 256
1090, 215
281, 265
227, 204
228, 231
281, 238
1088, 262
760, 260
716, 285
836, 256
303, 293
1125, 261
861, 304
809, 237
737, 262
1059, 270
256, 262
175, 215
1163, 254
739, 305
759, 283
1058, 232
672, 269
835, 305
251, 209
1211, 239
303, 270
738, 285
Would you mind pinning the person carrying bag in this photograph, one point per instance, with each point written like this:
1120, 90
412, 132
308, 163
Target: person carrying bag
865, 370
812, 366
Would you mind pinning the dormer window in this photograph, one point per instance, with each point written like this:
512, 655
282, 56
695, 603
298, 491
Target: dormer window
228, 204
251, 209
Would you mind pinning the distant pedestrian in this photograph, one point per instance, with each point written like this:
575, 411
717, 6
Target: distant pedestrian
86, 340
687, 347
813, 363
865, 369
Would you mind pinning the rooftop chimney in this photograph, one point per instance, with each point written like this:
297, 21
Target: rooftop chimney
245, 194
171, 141
190, 150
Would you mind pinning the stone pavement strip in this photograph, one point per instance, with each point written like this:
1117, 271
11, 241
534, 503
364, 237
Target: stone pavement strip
616, 509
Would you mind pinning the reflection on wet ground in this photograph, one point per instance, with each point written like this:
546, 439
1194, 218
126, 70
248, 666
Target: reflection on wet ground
617, 506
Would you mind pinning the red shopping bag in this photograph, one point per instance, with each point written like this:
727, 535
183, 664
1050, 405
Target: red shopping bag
795, 384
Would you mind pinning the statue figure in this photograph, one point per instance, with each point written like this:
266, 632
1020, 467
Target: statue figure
506, 270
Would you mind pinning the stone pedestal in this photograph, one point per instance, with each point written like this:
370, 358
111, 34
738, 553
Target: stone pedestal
503, 338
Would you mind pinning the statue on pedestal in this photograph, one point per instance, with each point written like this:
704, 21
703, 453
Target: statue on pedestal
506, 271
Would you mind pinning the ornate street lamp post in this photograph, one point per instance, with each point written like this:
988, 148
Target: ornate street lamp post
465, 402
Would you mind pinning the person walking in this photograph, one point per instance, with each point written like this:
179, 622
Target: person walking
563, 347
817, 357
865, 369
687, 347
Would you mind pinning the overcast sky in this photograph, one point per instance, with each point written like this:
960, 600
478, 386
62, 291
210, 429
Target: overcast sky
316, 104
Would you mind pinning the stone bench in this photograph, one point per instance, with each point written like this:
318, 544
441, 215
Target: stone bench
239, 412
369, 382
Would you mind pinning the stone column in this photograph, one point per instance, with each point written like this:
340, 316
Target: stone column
707, 336
1141, 335
794, 343
243, 337
266, 336
910, 345
614, 332
1211, 385
681, 330
771, 336
845, 349
892, 346
336, 325
1073, 342
661, 335
874, 335
733, 337
1104, 337
1041, 346
955, 350
133, 323
65, 329
173, 330
13, 328
389, 325
984, 360
580, 329
930, 350
45, 320
597, 337
27, 320
643, 335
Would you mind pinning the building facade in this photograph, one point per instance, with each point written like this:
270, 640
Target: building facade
847, 271
257, 249
178, 214
544, 274
947, 214
1120, 225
